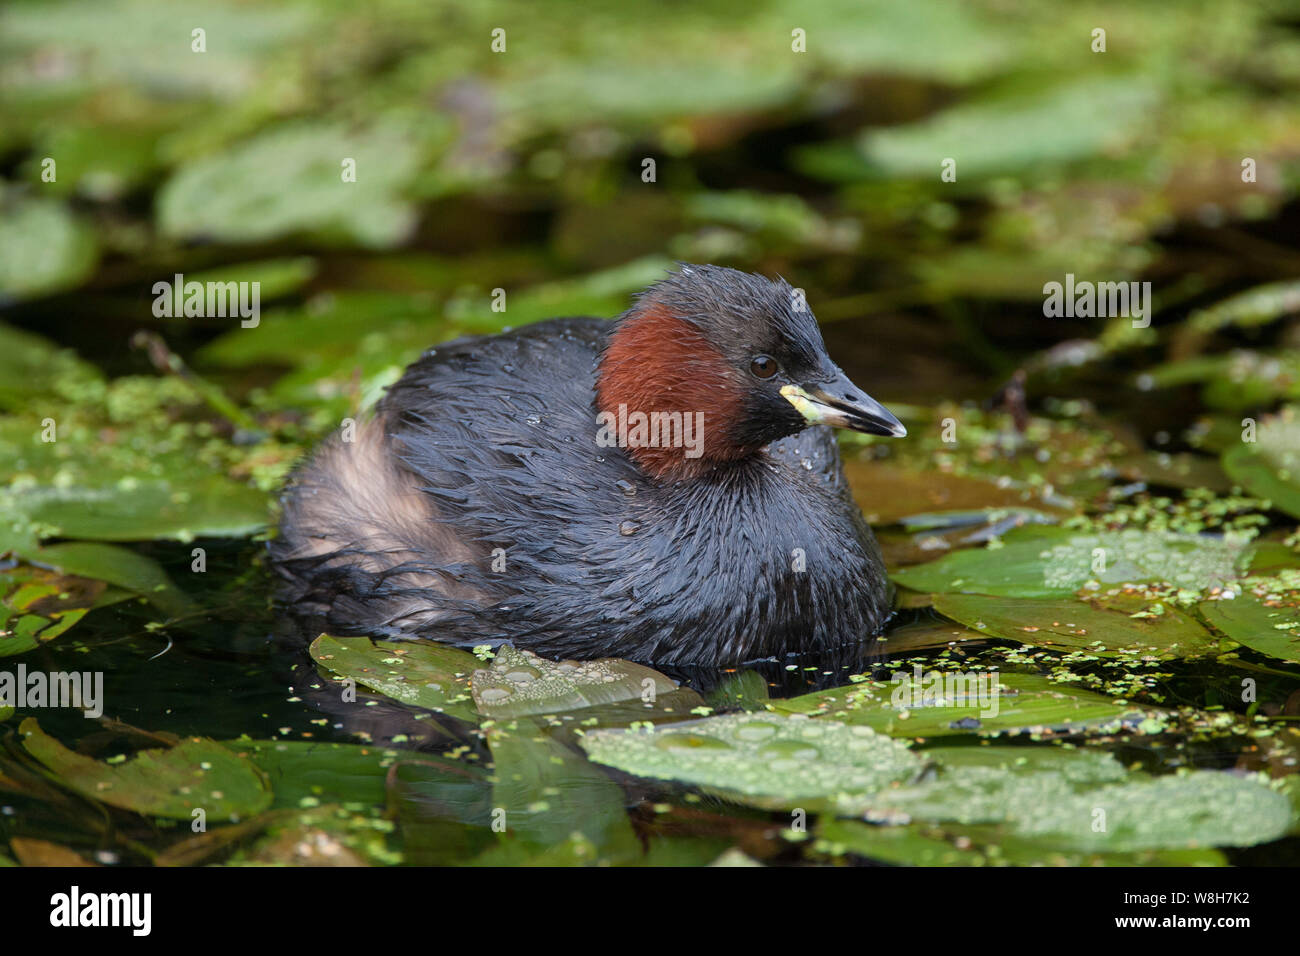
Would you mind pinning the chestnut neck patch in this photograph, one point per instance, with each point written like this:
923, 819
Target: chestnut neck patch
668, 396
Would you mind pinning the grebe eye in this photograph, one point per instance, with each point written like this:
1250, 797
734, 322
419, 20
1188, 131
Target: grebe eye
764, 366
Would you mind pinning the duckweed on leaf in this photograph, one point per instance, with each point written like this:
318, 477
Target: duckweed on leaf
420, 673
778, 758
1105, 627
1264, 622
940, 704
1044, 562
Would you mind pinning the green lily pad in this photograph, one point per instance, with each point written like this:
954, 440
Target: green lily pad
331, 325
1253, 307
1043, 562
1269, 467
39, 603
33, 367
120, 567
1266, 623
320, 836
110, 462
519, 682
305, 773
135, 42
1185, 470
911, 845
289, 180
98, 161
1193, 810
994, 135
544, 793
443, 809
1105, 627
37, 606
212, 506
771, 759
743, 690
925, 635
938, 704
168, 782
43, 247
890, 493
930, 845
1240, 379
421, 673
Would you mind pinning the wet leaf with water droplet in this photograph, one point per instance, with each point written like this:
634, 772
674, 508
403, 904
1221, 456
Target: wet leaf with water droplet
519, 682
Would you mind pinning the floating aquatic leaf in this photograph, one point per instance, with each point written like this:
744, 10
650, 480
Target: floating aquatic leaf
42, 601
43, 247
44, 853
37, 606
120, 567
32, 367
1264, 622
1253, 307
99, 161
420, 673
910, 845
1042, 562
140, 510
1269, 466
1085, 800
322, 836
744, 689
289, 180
1180, 470
167, 782
776, 758
947, 845
443, 809
308, 773
925, 635
1105, 627
519, 682
994, 135
548, 793
132, 41
938, 704
1240, 379
111, 463
889, 493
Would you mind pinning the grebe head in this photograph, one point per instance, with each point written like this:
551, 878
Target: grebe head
741, 355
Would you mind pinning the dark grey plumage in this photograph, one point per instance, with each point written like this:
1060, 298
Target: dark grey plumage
485, 452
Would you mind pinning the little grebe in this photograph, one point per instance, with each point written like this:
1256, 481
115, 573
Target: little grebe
647, 488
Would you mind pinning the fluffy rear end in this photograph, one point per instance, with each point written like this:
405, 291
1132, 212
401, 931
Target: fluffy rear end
360, 544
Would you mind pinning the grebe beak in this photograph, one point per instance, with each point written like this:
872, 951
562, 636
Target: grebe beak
841, 404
